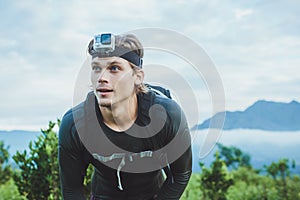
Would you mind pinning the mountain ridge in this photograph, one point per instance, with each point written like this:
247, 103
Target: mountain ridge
262, 115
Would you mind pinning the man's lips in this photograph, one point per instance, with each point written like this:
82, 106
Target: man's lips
104, 90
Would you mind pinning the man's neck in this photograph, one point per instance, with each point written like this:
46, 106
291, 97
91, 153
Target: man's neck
122, 115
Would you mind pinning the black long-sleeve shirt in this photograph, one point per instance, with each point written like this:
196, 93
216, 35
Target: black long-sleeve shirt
128, 165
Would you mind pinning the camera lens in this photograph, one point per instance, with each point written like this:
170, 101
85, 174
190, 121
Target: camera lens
106, 38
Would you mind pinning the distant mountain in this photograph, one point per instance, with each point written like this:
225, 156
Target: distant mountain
263, 115
18, 140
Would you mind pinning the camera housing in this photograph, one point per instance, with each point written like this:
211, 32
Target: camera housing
104, 42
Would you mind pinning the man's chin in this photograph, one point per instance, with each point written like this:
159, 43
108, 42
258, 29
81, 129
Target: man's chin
105, 103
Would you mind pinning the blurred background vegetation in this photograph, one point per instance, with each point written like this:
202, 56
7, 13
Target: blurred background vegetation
229, 177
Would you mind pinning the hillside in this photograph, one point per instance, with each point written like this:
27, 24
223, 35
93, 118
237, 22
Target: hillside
262, 115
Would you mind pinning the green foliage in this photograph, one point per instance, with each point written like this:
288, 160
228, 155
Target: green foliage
9, 191
5, 169
38, 174
88, 181
38, 177
293, 185
192, 190
216, 180
234, 157
242, 190
285, 185
249, 185
244, 182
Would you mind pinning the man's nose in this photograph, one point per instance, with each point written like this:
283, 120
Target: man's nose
103, 76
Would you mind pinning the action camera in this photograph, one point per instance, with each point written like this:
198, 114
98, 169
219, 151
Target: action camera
104, 42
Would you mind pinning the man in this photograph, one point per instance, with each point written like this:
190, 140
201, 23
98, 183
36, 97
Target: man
130, 134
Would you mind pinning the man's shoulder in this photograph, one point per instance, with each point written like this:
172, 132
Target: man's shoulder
72, 123
73, 120
78, 112
74, 114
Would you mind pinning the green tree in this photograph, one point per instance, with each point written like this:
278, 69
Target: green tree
234, 157
5, 169
280, 172
192, 190
293, 185
9, 191
38, 177
250, 185
216, 180
272, 170
38, 174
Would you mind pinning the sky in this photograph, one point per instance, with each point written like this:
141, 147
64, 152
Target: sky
254, 46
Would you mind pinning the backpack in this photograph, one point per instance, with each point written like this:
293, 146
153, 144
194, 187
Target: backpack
159, 90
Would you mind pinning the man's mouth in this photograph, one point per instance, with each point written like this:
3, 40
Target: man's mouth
104, 90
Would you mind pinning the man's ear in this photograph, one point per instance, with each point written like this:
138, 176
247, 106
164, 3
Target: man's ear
139, 77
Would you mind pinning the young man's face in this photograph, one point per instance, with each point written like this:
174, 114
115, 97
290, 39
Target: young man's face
113, 80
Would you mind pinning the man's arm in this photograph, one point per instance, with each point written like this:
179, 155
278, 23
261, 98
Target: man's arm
178, 153
178, 176
71, 164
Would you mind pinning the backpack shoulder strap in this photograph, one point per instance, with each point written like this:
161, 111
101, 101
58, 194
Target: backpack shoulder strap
159, 90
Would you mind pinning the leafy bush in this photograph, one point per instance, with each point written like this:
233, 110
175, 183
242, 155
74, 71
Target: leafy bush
38, 177
249, 185
192, 190
5, 169
9, 191
216, 180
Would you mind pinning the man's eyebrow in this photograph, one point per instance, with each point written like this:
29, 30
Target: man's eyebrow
114, 62
95, 62
109, 63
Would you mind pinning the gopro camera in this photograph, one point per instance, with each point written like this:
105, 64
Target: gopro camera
104, 42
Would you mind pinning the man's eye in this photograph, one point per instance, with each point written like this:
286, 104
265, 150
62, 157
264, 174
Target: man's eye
96, 68
114, 68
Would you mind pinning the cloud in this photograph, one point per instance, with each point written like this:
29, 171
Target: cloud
255, 47
241, 13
